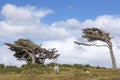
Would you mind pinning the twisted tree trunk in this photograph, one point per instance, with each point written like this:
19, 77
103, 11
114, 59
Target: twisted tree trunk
33, 59
32, 55
112, 55
109, 45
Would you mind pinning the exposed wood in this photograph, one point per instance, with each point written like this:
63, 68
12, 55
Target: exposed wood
107, 40
85, 44
27, 50
94, 34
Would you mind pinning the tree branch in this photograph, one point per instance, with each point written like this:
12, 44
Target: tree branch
16, 47
85, 44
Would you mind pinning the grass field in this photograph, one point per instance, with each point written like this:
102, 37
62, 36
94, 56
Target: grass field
66, 73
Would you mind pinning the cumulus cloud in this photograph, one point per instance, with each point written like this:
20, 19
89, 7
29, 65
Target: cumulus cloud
24, 15
25, 22
71, 53
74, 54
7, 57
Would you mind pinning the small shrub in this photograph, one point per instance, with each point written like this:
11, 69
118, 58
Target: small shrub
87, 66
78, 66
12, 69
64, 69
66, 65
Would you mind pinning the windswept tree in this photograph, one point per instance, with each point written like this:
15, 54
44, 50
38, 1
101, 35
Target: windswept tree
29, 51
94, 34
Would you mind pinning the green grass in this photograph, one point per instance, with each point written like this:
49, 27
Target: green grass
66, 73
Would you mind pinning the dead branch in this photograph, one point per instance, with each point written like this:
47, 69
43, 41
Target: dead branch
15, 47
85, 44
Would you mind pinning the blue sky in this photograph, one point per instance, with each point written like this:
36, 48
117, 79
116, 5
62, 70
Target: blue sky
64, 9
56, 24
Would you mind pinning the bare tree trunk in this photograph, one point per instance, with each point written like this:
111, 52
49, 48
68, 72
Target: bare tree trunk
109, 45
107, 40
33, 59
112, 55
32, 56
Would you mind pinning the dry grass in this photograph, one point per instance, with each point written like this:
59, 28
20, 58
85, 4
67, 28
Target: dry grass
68, 74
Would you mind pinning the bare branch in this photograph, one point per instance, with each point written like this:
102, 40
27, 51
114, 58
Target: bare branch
27, 50
16, 47
85, 44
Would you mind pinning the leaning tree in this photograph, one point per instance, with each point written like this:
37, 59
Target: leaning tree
94, 34
28, 51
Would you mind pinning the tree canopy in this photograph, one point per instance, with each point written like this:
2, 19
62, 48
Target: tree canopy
94, 34
27, 50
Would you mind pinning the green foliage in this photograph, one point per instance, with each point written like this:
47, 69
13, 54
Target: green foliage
94, 34
64, 69
87, 66
78, 66
66, 65
52, 64
33, 72
31, 66
98, 67
35, 69
12, 69
78, 74
2, 66
26, 43
45, 72
29, 51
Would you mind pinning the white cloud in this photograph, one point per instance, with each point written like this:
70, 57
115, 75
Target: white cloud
13, 12
23, 15
25, 22
71, 53
87, 55
7, 57
109, 23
